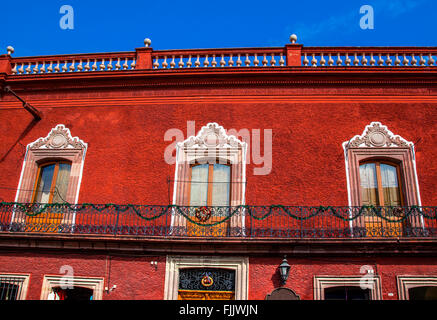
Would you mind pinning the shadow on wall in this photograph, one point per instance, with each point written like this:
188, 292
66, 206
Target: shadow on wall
276, 279
22, 136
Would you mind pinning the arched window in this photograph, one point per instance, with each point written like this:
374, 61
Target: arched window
52, 182
52, 168
380, 183
381, 172
209, 184
51, 173
380, 187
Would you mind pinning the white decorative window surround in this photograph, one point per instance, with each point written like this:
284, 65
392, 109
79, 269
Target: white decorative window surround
50, 282
175, 263
58, 145
323, 282
211, 145
408, 282
378, 142
13, 279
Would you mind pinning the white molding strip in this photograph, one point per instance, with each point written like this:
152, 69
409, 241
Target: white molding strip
95, 284
322, 282
174, 263
407, 282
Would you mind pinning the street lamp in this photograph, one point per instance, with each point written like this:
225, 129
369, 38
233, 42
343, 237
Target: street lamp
284, 269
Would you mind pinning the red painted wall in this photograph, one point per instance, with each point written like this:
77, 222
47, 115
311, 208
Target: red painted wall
125, 158
263, 275
135, 277
125, 128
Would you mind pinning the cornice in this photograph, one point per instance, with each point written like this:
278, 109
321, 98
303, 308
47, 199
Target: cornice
415, 247
121, 101
229, 77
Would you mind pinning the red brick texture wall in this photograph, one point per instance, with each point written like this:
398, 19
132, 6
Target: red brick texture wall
125, 157
124, 129
264, 277
134, 277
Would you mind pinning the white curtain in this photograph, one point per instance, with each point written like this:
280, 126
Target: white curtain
369, 184
389, 176
221, 181
199, 185
60, 193
390, 186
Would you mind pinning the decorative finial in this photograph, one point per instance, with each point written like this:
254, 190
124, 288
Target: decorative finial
147, 42
10, 50
293, 38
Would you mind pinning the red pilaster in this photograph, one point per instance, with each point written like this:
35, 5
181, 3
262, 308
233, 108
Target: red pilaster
5, 64
294, 54
144, 58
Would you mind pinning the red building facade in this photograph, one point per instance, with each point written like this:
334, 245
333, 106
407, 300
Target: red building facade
191, 173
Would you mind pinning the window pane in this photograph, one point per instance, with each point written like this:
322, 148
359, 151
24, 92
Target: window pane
369, 184
390, 186
423, 293
347, 293
43, 189
9, 290
221, 179
199, 185
60, 193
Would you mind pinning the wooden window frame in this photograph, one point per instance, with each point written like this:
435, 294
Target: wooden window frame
378, 162
400, 156
210, 178
54, 178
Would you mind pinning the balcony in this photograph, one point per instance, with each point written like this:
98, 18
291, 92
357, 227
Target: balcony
240, 222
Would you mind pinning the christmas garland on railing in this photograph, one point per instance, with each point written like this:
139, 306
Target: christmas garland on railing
233, 210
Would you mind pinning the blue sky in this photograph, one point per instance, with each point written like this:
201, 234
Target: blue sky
32, 27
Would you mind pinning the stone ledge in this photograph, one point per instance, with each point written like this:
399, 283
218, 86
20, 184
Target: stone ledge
156, 245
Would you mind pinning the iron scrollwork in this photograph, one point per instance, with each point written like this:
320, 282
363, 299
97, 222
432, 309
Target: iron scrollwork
212, 279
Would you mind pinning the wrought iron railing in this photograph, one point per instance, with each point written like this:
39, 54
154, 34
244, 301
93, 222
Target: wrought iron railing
273, 221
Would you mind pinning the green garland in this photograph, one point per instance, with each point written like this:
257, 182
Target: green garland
315, 211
